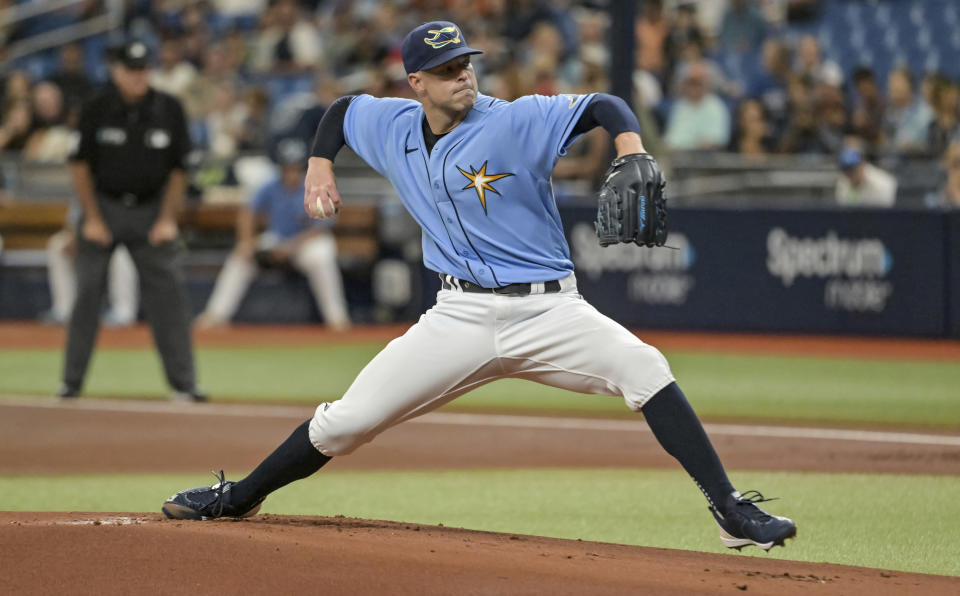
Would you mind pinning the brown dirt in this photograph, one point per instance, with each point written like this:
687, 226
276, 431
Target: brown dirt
96, 553
186, 439
121, 554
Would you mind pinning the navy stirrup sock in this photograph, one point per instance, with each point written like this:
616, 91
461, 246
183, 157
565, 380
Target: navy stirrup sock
294, 459
677, 428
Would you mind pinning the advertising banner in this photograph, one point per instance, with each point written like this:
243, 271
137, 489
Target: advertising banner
829, 271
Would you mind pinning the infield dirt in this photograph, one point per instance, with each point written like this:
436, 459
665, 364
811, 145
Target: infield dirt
128, 553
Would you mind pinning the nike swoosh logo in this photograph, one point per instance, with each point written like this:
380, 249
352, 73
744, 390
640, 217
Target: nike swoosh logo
411, 149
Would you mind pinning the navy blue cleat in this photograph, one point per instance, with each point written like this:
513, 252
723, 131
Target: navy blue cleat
206, 502
742, 523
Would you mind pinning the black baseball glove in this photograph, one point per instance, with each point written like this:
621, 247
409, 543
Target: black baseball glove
632, 206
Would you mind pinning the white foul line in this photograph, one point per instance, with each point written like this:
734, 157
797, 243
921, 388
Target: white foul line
495, 420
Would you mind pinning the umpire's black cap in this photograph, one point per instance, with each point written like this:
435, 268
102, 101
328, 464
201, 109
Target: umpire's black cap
432, 44
133, 54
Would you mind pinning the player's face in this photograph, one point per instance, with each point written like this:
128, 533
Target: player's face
450, 86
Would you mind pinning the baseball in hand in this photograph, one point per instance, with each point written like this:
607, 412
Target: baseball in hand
321, 212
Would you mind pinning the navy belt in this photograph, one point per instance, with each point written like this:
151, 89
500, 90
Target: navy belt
517, 289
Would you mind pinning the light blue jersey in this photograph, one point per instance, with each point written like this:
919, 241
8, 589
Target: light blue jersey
483, 196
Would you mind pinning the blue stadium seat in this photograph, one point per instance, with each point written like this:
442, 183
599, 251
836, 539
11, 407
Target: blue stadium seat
923, 34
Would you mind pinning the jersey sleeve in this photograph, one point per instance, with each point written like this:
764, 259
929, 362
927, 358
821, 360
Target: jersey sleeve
545, 124
371, 126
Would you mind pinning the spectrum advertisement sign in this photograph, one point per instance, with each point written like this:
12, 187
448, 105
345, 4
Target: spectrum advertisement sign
829, 271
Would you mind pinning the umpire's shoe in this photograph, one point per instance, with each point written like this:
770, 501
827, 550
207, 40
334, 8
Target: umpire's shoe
742, 523
206, 502
67, 392
190, 396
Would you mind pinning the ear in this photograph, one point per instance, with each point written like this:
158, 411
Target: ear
415, 82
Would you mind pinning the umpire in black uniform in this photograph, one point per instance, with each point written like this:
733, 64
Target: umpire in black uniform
129, 174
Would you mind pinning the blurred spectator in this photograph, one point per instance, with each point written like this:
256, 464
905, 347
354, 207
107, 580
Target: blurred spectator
173, 74
17, 114
831, 114
753, 139
255, 130
699, 119
797, 11
289, 41
771, 85
291, 240
368, 49
866, 118
811, 64
948, 196
684, 30
907, 117
800, 91
216, 73
594, 46
545, 59
803, 134
237, 51
15, 128
525, 15
652, 29
862, 184
239, 13
16, 88
49, 140
194, 33
73, 81
692, 53
742, 29
225, 123
944, 127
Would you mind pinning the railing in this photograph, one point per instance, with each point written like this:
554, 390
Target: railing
110, 20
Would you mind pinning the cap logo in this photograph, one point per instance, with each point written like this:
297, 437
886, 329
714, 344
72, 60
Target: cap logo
138, 50
442, 37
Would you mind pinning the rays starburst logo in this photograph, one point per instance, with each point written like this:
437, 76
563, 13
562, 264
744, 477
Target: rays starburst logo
481, 182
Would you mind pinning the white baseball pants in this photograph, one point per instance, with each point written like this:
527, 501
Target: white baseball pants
469, 339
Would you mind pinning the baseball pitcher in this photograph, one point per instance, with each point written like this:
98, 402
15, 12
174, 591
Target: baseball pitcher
475, 173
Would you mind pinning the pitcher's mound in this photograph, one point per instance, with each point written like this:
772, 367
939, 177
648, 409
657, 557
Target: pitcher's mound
129, 553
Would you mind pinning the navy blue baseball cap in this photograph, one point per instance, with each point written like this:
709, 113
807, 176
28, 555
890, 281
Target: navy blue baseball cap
850, 158
290, 151
432, 44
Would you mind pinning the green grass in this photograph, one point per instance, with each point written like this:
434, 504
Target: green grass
885, 521
840, 390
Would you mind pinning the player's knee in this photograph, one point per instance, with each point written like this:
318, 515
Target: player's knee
646, 372
334, 434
